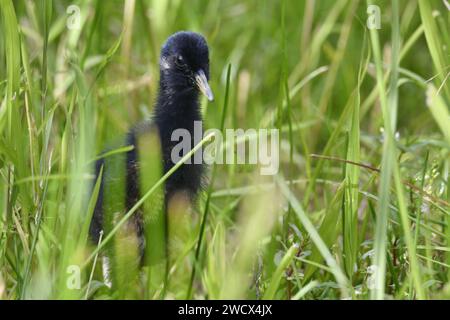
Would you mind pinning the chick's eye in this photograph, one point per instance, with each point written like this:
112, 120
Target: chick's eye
179, 62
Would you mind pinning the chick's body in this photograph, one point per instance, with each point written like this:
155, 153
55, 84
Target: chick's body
184, 74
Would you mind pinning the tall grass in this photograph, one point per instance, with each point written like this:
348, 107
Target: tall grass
360, 208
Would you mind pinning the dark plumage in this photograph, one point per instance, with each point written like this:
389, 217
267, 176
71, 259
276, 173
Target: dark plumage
184, 74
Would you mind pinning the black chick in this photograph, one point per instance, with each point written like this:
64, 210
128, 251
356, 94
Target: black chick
184, 74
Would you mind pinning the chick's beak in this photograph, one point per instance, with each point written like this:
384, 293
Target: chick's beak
202, 84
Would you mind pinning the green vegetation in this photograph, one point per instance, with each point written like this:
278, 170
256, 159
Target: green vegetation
360, 208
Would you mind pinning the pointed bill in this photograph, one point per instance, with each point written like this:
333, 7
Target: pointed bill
202, 84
